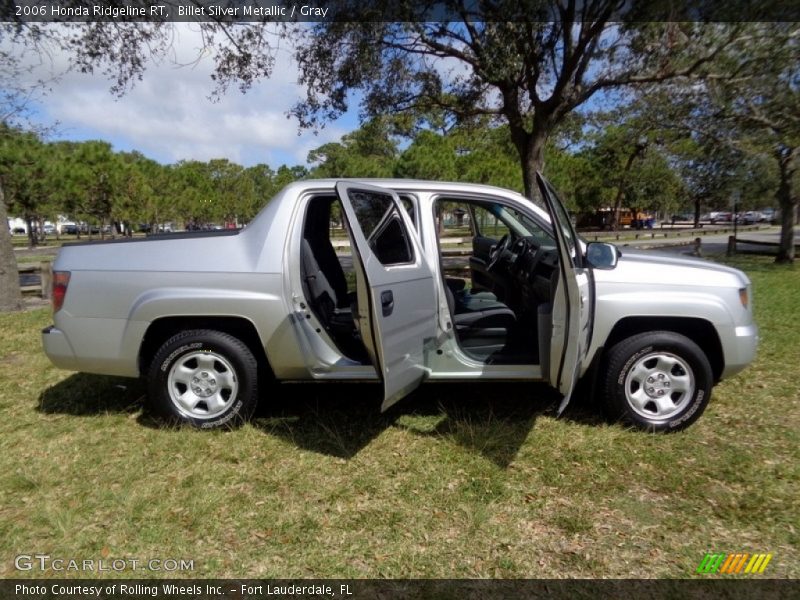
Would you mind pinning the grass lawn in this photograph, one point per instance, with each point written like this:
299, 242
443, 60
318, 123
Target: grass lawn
457, 481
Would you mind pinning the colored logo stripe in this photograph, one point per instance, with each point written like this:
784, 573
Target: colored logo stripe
758, 563
710, 563
737, 563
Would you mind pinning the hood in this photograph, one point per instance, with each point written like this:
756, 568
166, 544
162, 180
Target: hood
660, 268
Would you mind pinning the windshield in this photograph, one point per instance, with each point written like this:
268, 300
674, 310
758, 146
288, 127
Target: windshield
522, 224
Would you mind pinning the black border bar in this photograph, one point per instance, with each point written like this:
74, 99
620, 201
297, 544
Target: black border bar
732, 588
232, 11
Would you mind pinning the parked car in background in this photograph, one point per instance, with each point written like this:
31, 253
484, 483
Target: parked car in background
208, 318
682, 217
719, 217
750, 217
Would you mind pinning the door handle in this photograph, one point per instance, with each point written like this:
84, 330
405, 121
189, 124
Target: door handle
387, 302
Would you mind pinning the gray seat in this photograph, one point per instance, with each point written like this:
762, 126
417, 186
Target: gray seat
332, 307
480, 319
325, 283
476, 309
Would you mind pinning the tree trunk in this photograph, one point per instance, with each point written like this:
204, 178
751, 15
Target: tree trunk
788, 204
621, 185
32, 241
10, 295
530, 146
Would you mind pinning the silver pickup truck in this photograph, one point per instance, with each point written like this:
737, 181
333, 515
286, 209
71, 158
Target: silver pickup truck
207, 318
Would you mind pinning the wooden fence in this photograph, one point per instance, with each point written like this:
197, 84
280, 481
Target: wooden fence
45, 272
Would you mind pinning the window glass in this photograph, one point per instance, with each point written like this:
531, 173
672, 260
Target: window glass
524, 225
496, 220
488, 224
382, 225
564, 223
408, 204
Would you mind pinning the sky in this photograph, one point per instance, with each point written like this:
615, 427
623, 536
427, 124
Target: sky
169, 116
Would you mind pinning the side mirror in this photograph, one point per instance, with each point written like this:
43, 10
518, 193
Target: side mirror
601, 255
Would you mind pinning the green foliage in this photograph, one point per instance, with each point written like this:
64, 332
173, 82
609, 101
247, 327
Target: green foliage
508, 61
430, 156
368, 151
615, 160
478, 154
89, 182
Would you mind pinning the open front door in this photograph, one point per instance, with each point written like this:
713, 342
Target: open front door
396, 308
572, 305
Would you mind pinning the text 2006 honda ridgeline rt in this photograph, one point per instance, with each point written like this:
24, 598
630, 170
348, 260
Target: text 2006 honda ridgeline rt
206, 317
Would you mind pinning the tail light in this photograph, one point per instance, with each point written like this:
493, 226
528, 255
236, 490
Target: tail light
60, 283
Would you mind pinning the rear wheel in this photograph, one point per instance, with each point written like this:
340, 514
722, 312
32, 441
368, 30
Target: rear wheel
205, 378
658, 381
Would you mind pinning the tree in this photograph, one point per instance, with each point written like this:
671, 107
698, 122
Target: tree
96, 180
368, 151
765, 111
713, 173
12, 104
10, 295
21, 167
754, 111
476, 151
528, 64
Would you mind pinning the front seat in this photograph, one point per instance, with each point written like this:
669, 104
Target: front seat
482, 324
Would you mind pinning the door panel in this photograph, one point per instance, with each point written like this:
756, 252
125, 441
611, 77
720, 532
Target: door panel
396, 308
572, 301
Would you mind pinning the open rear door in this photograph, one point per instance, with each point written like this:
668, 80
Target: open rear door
572, 305
396, 310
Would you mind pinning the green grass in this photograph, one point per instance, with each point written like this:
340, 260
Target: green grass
35, 259
456, 481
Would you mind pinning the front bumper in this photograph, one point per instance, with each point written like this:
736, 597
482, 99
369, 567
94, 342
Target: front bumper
742, 351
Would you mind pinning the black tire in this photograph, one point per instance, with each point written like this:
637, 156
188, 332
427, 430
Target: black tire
657, 381
205, 378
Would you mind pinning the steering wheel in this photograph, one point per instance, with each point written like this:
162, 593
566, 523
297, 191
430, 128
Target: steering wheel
498, 251
518, 250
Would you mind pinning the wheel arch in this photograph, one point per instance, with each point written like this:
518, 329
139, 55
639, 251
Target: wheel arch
700, 331
160, 330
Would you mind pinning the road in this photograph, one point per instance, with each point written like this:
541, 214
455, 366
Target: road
715, 243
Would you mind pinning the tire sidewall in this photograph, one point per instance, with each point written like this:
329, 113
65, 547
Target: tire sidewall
628, 352
235, 352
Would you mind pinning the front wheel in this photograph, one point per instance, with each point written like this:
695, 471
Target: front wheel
204, 378
658, 381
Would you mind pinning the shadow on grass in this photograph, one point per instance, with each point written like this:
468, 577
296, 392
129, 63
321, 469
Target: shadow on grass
340, 419
82, 394
492, 420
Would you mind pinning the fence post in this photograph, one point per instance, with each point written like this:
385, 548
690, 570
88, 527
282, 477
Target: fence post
731, 245
47, 278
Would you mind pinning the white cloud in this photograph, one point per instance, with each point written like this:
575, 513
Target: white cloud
169, 116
